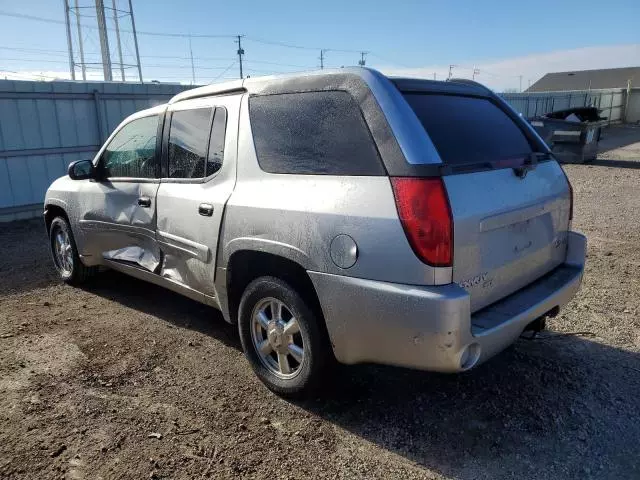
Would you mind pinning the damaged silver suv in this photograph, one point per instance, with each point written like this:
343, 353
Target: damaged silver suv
336, 215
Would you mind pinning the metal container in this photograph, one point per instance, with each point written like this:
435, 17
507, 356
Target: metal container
572, 134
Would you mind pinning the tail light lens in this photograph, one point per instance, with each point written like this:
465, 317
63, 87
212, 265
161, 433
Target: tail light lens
570, 194
423, 207
570, 199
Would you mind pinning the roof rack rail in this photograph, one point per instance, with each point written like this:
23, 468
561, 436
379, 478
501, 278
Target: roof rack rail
225, 88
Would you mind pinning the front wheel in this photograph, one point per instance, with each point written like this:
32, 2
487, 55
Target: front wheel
65, 253
282, 338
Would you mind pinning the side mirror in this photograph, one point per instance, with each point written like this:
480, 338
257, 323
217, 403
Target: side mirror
81, 170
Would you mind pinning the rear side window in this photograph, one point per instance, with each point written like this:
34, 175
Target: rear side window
188, 139
316, 133
216, 143
468, 129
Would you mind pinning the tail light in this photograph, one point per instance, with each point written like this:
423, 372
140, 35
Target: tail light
423, 208
570, 199
570, 194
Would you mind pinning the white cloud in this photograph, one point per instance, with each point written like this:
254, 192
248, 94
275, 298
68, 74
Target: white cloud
500, 74
33, 75
50, 75
46, 75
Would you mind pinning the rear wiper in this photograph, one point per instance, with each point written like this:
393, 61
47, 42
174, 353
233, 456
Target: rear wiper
530, 163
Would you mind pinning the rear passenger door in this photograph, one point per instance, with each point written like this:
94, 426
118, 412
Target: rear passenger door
199, 174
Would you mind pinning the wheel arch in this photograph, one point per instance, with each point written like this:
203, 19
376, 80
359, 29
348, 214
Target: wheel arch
53, 209
245, 265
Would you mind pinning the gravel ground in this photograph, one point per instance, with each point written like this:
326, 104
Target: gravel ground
126, 380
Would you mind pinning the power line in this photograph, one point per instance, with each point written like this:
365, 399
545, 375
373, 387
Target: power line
280, 44
32, 60
269, 72
277, 64
64, 54
31, 17
240, 59
34, 50
300, 47
225, 71
393, 62
159, 34
186, 67
27, 75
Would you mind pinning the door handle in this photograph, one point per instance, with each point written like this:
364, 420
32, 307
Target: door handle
205, 209
144, 202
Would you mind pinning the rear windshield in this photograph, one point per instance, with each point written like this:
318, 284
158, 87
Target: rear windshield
468, 129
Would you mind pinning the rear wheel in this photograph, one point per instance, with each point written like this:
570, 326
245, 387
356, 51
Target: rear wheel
65, 253
282, 338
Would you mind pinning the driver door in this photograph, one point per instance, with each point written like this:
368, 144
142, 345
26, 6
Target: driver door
118, 217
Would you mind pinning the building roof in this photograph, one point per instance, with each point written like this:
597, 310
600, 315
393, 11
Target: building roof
587, 79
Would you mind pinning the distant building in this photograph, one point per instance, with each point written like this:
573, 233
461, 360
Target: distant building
587, 79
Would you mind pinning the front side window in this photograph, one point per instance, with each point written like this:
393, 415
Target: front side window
188, 140
131, 153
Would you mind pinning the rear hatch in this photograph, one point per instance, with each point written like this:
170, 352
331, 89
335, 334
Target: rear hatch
510, 201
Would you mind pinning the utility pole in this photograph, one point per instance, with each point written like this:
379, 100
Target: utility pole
117, 24
476, 71
362, 62
135, 41
82, 65
72, 69
104, 41
322, 59
240, 54
193, 70
450, 71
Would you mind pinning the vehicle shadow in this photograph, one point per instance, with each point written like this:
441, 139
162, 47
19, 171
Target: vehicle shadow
163, 304
618, 137
542, 409
605, 162
546, 408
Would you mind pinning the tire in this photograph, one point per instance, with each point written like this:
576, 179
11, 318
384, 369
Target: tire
306, 375
67, 262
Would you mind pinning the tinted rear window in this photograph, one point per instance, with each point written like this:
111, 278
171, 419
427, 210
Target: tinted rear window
321, 133
468, 129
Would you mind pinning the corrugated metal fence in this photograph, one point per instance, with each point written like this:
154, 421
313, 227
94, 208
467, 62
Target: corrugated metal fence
44, 126
611, 102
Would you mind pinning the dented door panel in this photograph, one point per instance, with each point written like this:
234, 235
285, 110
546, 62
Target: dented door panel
190, 213
116, 227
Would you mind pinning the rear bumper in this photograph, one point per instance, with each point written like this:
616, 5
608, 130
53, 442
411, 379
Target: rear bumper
431, 328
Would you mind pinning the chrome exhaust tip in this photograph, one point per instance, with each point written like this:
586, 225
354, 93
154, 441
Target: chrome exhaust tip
470, 356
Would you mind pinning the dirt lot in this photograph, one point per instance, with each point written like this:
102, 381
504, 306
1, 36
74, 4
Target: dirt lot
127, 380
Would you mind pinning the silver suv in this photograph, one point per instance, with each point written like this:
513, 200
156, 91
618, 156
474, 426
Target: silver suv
337, 215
